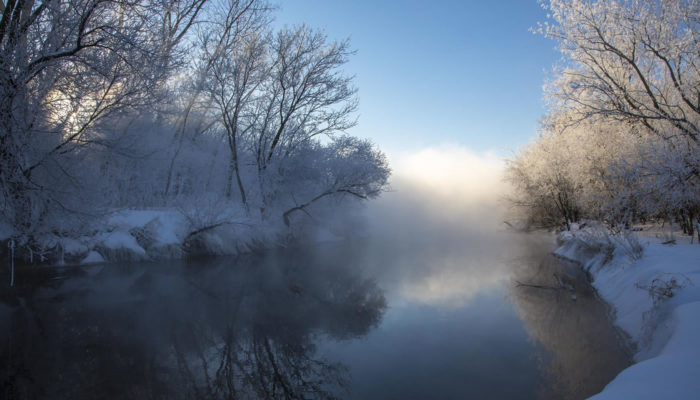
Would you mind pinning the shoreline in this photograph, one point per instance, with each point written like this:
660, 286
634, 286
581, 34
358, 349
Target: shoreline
155, 235
127, 235
653, 288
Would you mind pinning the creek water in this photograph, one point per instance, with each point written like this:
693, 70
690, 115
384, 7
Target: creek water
419, 307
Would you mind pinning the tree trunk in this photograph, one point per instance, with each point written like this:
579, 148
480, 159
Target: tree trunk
234, 169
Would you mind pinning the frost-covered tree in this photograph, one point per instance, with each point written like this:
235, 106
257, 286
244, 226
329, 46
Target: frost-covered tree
621, 135
634, 60
65, 67
602, 169
304, 96
112, 104
219, 41
307, 93
544, 180
240, 65
346, 167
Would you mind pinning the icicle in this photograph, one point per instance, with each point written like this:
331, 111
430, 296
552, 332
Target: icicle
31, 256
11, 245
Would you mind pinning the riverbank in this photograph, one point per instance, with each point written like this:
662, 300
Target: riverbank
652, 279
147, 235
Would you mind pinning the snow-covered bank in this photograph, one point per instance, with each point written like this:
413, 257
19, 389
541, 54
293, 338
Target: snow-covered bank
654, 286
149, 235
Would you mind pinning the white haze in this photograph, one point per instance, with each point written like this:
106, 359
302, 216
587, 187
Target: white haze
441, 226
452, 177
450, 187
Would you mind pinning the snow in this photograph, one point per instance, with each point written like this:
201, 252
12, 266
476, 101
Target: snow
673, 374
167, 226
93, 257
154, 234
657, 302
119, 240
73, 246
127, 235
133, 235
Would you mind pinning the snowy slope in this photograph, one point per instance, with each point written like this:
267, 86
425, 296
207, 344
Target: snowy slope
142, 235
657, 302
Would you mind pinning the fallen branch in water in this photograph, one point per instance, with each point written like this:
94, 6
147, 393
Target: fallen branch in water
519, 284
213, 226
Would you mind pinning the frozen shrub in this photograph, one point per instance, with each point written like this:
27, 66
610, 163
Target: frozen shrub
665, 286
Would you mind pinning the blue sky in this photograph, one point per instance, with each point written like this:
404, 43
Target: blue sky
432, 73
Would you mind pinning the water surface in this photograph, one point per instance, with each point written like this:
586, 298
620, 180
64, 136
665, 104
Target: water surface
423, 305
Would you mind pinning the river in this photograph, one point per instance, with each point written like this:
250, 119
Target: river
418, 305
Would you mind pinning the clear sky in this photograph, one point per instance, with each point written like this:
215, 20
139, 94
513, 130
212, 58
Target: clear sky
439, 72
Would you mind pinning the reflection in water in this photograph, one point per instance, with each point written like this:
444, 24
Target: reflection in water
423, 306
379, 318
228, 330
562, 313
437, 341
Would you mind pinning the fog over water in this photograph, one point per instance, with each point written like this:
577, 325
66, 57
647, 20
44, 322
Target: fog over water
419, 300
444, 221
456, 324
437, 246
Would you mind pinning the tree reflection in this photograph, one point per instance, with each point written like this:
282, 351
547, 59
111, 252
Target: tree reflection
563, 315
257, 366
214, 330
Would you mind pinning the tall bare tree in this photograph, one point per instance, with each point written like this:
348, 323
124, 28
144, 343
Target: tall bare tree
236, 73
229, 22
307, 94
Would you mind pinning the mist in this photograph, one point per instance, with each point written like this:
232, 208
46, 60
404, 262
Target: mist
451, 187
421, 286
439, 228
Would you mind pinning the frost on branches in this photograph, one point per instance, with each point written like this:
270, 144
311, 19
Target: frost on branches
182, 105
620, 142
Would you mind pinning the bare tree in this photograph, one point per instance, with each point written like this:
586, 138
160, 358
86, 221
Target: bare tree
306, 95
631, 60
348, 166
228, 23
67, 65
236, 74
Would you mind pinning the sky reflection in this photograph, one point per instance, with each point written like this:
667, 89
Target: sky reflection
438, 237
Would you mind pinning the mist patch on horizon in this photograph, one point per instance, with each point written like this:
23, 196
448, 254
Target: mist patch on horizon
445, 184
454, 172
441, 225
